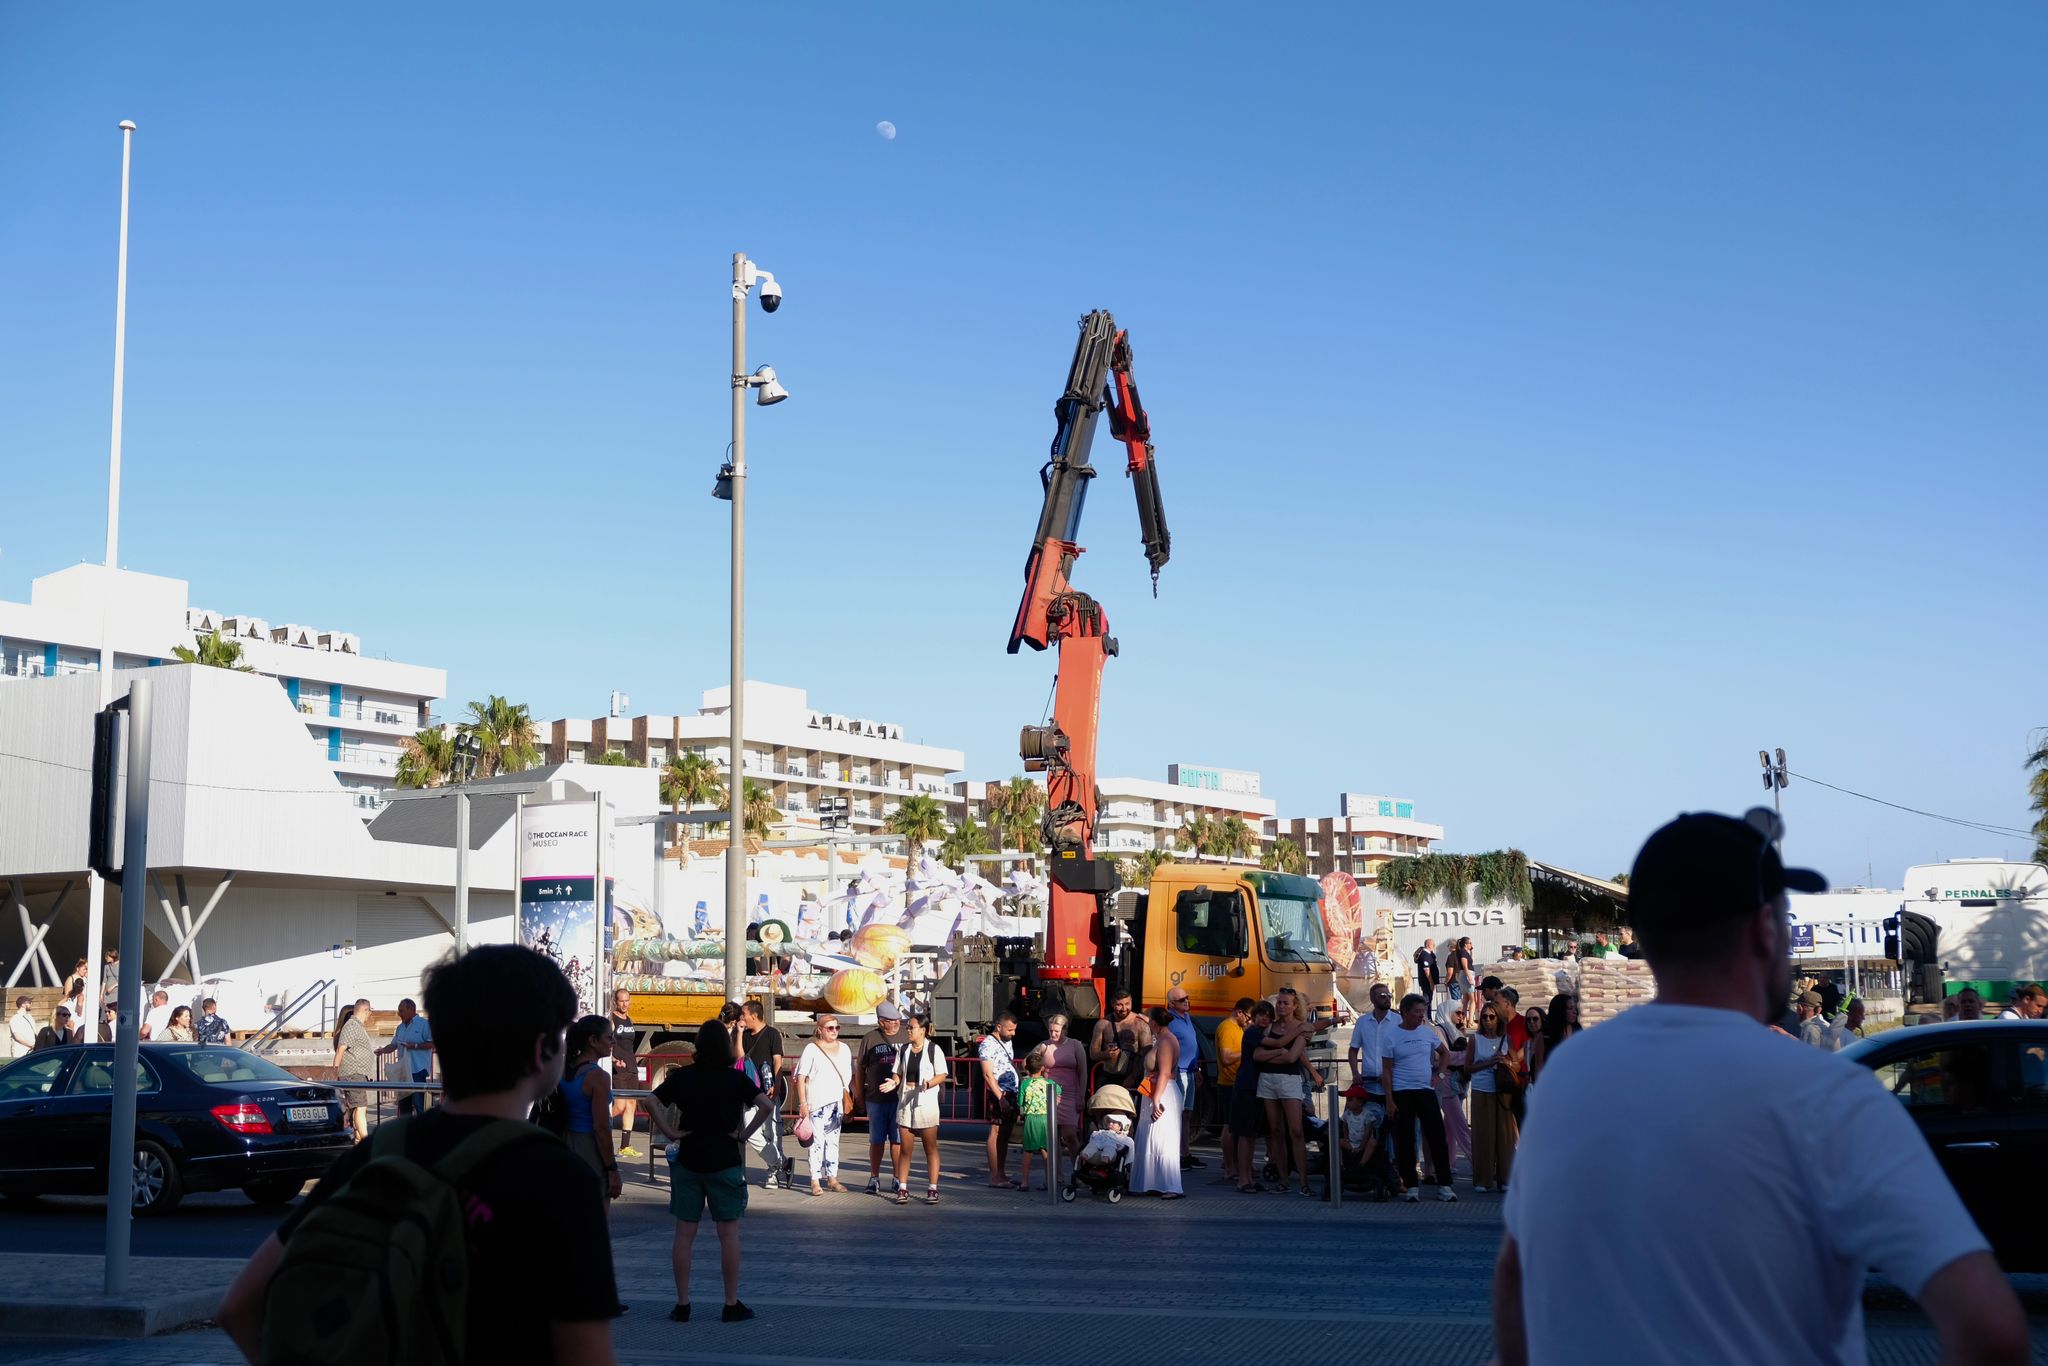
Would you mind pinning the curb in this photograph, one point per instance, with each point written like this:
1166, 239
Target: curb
103, 1318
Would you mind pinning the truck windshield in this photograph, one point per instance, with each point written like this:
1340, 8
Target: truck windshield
1294, 929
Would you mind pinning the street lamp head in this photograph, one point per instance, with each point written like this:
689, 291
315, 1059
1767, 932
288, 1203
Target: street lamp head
771, 390
127, 125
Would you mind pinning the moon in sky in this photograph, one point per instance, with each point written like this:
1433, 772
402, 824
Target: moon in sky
886, 131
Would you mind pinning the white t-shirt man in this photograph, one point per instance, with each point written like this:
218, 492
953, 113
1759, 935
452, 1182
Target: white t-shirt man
1671, 1160
1414, 1055
21, 1032
1367, 1036
154, 1022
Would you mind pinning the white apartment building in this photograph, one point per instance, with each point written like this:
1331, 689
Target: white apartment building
800, 753
1140, 813
1367, 831
357, 711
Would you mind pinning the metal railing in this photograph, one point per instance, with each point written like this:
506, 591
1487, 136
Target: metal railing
277, 1022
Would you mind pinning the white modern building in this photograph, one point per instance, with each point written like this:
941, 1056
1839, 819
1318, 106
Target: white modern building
356, 712
262, 876
1366, 832
801, 754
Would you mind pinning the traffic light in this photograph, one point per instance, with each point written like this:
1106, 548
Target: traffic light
109, 804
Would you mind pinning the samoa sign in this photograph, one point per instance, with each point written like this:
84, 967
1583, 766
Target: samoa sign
1450, 918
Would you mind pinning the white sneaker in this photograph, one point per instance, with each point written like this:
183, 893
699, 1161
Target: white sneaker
770, 1181
1413, 1196
1479, 1190
1445, 1193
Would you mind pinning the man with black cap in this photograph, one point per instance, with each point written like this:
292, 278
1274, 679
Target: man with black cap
1724, 1225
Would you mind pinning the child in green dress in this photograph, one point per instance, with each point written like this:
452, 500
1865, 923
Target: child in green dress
1035, 1099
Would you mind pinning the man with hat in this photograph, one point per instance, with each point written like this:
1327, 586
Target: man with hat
1812, 1028
874, 1085
1728, 1227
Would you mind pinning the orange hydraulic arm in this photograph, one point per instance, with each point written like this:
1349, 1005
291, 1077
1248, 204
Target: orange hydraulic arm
1052, 611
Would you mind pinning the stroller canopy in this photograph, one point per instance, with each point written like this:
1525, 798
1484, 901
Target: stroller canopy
1112, 1100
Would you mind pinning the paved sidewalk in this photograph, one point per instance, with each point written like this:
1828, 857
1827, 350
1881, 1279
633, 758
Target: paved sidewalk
54, 1294
1018, 1280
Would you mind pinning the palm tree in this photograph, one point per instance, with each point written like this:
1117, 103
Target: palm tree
760, 810
1235, 839
921, 820
961, 841
216, 651
1198, 834
615, 758
507, 732
2037, 787
690, 780
1014, 811
1137, 869
1284, 857
426, 758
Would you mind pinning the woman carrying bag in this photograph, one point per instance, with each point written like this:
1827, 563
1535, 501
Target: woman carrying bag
824, 1073
1494, 1065
920, 1072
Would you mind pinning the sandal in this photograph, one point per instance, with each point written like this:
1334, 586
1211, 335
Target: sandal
1248, 1188
931, 1195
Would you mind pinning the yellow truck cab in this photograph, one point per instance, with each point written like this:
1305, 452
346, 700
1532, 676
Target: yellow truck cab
1223, 933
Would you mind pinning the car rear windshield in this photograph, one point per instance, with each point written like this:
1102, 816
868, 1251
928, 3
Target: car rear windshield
229, 1064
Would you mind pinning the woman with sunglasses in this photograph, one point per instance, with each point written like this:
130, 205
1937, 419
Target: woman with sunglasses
1494, 1133
824, 1074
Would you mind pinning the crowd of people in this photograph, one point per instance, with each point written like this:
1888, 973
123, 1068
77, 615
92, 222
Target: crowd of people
67, 1023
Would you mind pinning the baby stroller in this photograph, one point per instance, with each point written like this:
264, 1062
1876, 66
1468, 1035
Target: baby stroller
1104, 1165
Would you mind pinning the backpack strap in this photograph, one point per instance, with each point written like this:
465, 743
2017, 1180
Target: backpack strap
483, 1145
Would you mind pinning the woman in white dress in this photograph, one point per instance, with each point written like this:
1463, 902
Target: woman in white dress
1159, 1116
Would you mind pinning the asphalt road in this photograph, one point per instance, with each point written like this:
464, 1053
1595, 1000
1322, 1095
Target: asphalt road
1005, 1277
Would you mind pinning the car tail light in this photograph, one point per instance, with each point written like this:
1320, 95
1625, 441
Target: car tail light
245, 1118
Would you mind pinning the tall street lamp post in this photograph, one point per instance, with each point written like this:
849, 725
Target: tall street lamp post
732, 485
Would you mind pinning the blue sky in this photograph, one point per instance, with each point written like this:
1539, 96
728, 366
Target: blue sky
1554, 404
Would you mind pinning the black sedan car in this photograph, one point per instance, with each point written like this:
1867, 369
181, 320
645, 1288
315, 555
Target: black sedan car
1979, 1092
206, 1119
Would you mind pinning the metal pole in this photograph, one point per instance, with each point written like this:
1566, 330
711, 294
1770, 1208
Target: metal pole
127, 1029
120, 366
95, 885
736, 794
1333, 1149
462, 871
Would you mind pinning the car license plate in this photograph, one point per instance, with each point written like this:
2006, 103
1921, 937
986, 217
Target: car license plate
306, 1114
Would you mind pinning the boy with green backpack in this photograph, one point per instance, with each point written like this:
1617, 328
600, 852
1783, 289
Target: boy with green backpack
465, 1234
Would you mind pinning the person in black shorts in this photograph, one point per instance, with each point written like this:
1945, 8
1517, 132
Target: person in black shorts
1246, 1110
706, 1164
537, 1242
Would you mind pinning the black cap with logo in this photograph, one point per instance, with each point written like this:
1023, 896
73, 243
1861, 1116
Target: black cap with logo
1705, 865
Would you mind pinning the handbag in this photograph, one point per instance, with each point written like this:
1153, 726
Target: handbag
805, 1133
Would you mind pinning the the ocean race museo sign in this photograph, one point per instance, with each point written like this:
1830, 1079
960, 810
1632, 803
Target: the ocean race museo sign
560, 874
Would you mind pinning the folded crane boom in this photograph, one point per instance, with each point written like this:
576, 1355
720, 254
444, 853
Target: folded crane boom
1054, 612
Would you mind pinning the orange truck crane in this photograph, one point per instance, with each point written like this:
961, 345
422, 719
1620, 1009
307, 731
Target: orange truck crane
1053, 612
1215, 930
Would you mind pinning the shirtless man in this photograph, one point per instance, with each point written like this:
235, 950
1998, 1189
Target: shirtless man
1119, 1044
